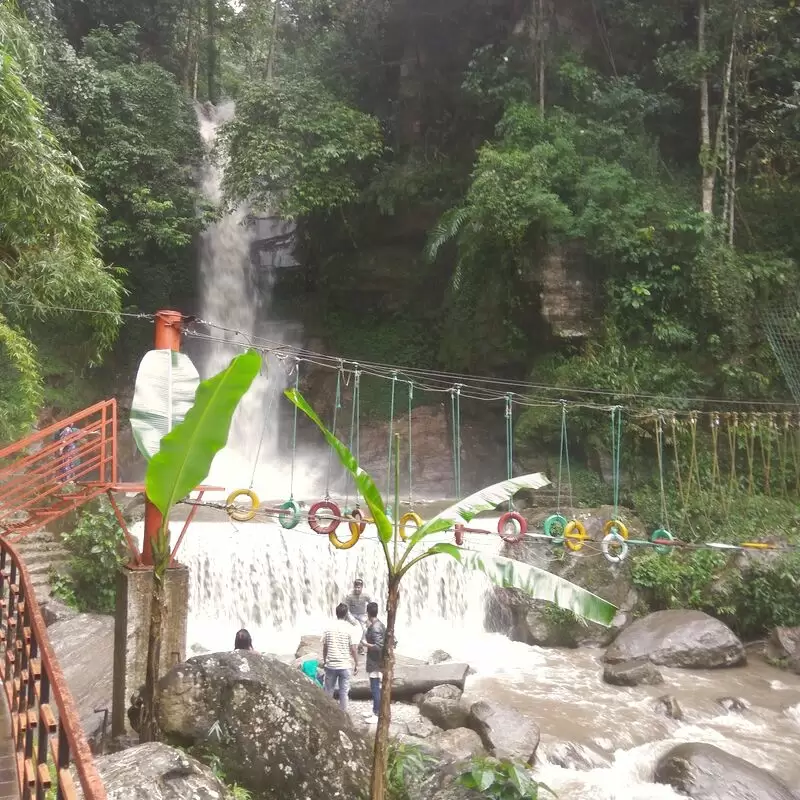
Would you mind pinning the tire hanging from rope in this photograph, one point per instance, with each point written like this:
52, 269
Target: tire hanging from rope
663, 533
357, 523
410, 517
289, 516
615, 548
556, 524
315, 520
511, 526
455, 408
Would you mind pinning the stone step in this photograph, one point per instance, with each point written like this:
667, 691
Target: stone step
46, 567
35, 558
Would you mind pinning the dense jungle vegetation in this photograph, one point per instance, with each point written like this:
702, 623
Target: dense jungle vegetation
436, 155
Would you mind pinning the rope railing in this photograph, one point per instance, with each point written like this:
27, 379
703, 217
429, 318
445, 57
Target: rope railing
48, 740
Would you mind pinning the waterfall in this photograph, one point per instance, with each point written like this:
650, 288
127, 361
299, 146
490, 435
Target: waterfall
236, 282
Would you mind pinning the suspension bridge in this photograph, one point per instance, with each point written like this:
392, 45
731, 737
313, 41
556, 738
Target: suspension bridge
722, 451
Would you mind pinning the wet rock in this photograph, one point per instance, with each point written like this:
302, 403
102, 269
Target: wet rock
421, 728
442, 706
783, 648
309, 647
533, 622
669, 707
505, 733
457, 744
733, 704
632, 673
84, 646
156, 770
439, 657
54, 611
274, 731
410, 680
704, 772
570, 755
688, 639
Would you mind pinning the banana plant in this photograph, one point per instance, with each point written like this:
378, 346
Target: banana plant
403, 556
182, 461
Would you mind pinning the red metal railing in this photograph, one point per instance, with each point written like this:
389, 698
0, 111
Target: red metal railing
43, 477
48, 741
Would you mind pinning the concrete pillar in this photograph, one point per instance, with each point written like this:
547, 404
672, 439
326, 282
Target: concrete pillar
134, 587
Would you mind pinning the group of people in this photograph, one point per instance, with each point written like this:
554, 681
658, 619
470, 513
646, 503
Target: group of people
355, 631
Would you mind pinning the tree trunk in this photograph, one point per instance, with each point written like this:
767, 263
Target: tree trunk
381, 750
706, 158
211, 20
148, 731
273, 40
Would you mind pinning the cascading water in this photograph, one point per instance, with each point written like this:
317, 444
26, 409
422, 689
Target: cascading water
283, 584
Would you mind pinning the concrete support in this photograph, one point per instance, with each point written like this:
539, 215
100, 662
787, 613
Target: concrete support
134, 587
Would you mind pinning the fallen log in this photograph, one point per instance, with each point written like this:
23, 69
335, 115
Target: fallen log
410, 680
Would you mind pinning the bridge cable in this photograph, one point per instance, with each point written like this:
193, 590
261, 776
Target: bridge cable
410, 471
354, 436
294, 431
391, 443
336, 405
509, 443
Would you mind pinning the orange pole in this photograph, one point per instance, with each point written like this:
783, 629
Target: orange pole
168, 337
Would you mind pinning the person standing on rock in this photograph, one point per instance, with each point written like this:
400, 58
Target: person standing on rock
374, 638
338, 651
356, 603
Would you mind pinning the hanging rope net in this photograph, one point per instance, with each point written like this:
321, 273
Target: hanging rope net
782, 326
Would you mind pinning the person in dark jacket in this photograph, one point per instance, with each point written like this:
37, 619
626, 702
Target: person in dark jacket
374, 640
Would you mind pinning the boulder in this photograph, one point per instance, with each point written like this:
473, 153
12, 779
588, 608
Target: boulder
309, 647
632, 673
783, 648
274, 731
410, 680
688, 639
534, 622
439, 657
156, 770
84, 646
669, 706
456, 745
574, 756
737, 704
704, 772
505, 733
54, 611
442, 706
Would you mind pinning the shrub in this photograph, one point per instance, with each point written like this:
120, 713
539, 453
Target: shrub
501, 780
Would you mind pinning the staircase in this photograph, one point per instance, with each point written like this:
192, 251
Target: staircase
42, 552
42, 477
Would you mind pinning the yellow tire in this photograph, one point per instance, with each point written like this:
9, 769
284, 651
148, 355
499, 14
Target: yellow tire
575, 535
615, 526
405, 519
242, 514
355, 535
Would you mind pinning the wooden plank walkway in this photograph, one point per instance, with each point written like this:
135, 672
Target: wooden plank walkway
9, 788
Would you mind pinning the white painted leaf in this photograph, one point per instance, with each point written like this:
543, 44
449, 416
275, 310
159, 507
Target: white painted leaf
165, 387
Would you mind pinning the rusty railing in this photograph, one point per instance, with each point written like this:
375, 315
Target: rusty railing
43, 478
48, 740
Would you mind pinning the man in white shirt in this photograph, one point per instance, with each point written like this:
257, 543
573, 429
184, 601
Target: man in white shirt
338, 651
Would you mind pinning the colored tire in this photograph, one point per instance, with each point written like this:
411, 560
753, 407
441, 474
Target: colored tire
242, 514
614, 540
508, 517
405, 519
459, 535
554, 527
663, 535
615, 526
316, 524
355, 535
357, 524
575, 535
289, 516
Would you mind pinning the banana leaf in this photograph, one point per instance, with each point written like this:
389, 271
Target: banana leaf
185, 456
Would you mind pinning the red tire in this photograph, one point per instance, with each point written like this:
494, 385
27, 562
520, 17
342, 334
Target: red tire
316, 524
512, 516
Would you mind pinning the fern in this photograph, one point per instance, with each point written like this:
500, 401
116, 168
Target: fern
447, 228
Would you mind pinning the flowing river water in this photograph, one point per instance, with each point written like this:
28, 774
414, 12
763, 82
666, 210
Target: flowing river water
283, 584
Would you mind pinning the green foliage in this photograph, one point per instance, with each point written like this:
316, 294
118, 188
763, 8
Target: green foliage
187, 451
214, 763
295, 148
97, 550
48, 238
501, 780
407, 765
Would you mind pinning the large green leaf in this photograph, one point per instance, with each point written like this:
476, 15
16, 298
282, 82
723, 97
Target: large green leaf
187, 451
366, 486
165, 387
539, 584
484, 500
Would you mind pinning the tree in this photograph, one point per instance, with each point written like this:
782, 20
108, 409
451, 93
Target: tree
49, 258
400, 558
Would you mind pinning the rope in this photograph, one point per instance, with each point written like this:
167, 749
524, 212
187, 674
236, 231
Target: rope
455, 407
410, 471
510, 442
766, 454
294, 433
616, 439
354, 422
561, 455
336, 406
660, 454
716, 480
391, 443
750, 447
261, 439
678, 477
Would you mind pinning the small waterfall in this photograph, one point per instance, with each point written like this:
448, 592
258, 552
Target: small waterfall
236, 282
